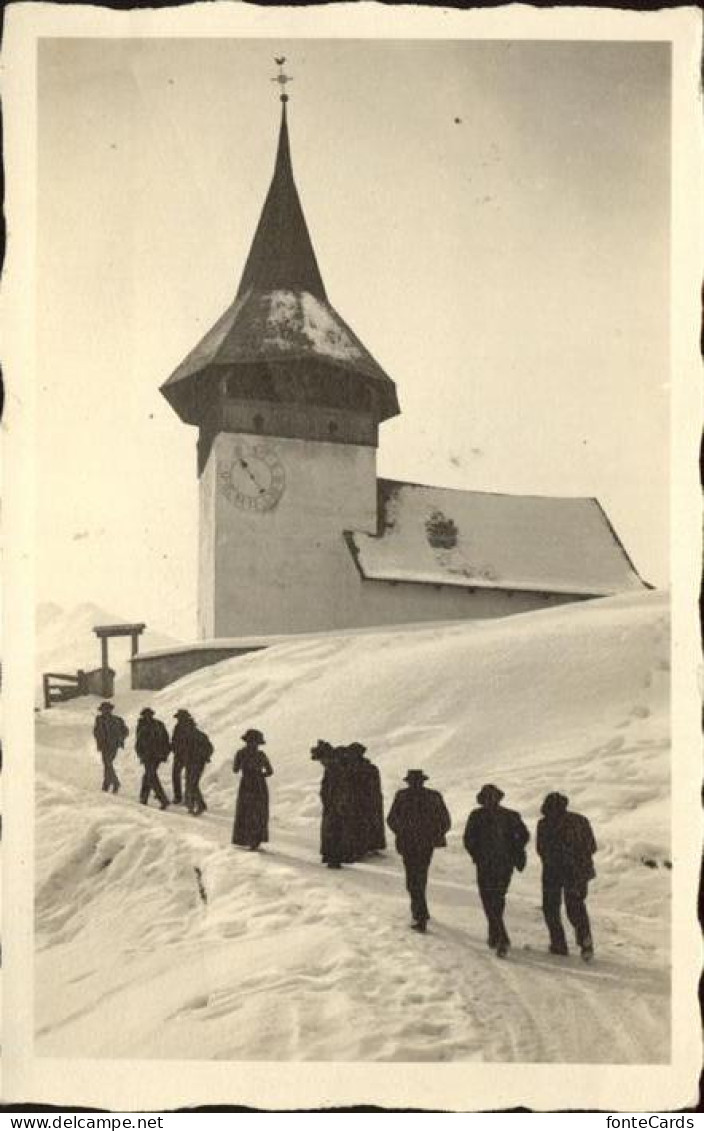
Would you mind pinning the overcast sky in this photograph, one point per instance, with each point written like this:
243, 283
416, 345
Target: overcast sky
491, 218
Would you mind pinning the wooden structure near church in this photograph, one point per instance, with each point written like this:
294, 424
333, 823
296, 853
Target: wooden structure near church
106, 632
59, 687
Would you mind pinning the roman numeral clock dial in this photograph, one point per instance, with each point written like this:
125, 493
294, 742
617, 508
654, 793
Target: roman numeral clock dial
254, 479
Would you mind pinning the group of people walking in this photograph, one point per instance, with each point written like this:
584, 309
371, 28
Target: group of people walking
192, 750
496, 838
352, 824
352, 820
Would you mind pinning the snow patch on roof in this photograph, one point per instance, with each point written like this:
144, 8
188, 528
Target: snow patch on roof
325, 333
472, 539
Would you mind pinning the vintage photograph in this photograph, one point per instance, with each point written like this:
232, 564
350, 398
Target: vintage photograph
352, 680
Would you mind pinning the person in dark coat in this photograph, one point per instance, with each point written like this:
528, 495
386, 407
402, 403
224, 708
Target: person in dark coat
377, 830
336, 841
324, 753
566, 845
420, 822
355, 810
367, 800
152, 746
198, 752
252, 811
109, 732
180, 743
496, 840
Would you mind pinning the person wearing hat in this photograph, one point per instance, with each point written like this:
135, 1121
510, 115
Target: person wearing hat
109, 732
496, 840
251, 826
181, 740
565, 843
335, 824
420, 822
369, 801
355, 807
198, 751
152, 746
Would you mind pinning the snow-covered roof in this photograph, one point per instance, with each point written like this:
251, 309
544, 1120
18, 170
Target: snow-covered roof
280, 325
473, 539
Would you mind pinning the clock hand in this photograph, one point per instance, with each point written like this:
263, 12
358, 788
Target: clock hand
245, 465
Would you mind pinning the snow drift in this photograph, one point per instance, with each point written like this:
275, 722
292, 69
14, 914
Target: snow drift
206, 951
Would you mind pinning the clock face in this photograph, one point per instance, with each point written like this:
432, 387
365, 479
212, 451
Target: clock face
254, 480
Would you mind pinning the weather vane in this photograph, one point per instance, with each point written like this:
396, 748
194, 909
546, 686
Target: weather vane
282, 78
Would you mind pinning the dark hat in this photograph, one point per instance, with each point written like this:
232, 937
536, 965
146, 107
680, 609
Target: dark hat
555, 803
488, 791
356, 748
146, 711
182, 713
106, 706
253, 735
415, 775
321, 747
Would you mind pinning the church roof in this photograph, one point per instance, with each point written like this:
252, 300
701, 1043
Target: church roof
281, 311
474, 539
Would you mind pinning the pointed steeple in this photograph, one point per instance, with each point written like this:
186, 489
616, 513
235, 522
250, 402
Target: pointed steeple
282, 257
280, 341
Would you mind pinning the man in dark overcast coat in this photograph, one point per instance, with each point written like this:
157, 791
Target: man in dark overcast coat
152, 745
181, 741
496, 840
109, 732
420, 822
566, 845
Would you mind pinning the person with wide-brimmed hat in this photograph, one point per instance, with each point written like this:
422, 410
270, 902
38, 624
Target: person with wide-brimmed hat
181, 741
420, 822
333, 849
496, 840
367, 801
152, 745
251, 828
109, 732
565, 843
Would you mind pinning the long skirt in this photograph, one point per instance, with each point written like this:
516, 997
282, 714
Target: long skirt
339, 837
252, 811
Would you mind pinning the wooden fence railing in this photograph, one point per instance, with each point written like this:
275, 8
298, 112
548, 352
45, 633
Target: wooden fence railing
60, 687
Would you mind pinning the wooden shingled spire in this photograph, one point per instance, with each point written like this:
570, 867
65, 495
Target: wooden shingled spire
281, 257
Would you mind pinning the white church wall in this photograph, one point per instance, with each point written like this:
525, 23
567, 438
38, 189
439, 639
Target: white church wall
206, 551
384, 602
280, 563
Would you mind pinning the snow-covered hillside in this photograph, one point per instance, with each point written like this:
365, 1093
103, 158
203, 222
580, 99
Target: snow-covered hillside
65, 640
203, 950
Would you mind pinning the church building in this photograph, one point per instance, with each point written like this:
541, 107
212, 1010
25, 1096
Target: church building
297, 534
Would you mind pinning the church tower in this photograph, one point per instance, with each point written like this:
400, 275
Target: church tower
287, 402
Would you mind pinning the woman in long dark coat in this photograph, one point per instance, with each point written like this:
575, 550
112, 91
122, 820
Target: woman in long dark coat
252, 811
337, 823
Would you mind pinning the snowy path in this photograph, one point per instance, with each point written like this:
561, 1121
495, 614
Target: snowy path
156, 938
359, 984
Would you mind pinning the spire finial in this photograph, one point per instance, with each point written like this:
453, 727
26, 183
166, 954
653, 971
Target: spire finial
282, 78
